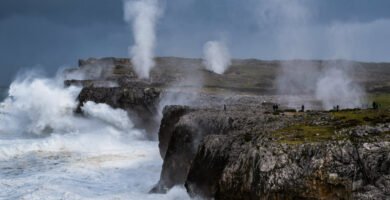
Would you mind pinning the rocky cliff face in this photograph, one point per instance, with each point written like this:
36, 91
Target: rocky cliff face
253, 154
140, 102
112, 81
183, 129
246, 151
232, 168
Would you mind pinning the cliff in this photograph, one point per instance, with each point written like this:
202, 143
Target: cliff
248, 151
141, 103
243, 76
257, 154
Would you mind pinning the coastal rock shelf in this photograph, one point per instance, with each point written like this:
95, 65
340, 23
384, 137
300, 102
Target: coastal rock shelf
247, 154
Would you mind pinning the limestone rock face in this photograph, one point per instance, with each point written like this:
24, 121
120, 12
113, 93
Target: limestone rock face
242, 154
182, 130
179, 141
261, 169
171, 115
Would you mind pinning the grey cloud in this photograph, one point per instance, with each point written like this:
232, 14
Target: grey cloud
52, 33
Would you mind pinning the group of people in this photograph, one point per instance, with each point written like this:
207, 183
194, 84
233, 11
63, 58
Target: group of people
275, 107
375, 106
336, 108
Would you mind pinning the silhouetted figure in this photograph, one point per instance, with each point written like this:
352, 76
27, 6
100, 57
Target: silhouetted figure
224, 107
337, 108
275, 107
374, 105
303, 108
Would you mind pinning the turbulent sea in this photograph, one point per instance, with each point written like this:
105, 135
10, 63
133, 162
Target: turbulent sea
47, 152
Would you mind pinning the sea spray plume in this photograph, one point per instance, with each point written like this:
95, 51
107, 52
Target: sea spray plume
39, 105
216, 57
332, 83
336, 87
36, 106
38, 127
296, 82
143, 15
289, 21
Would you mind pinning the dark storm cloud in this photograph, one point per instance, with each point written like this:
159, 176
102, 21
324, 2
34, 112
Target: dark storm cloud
69, 12
53, 33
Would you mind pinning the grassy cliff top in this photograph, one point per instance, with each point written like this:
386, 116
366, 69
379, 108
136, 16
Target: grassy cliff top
335, 126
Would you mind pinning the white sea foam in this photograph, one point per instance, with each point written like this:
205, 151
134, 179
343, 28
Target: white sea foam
46, 152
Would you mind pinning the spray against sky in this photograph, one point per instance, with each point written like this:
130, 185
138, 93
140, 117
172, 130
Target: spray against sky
335, 87
67, 30
143, 15
330, 82
216, 56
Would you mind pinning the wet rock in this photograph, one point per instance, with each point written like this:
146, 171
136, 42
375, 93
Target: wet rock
184, 139
183, 129
171, 115
141, 103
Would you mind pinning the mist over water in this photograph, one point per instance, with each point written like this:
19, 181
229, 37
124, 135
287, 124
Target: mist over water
46, 151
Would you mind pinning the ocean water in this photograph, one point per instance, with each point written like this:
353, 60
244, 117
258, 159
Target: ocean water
46, 152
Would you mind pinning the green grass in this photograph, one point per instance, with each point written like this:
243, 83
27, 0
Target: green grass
300, 133
307, 132
382, 99
361, 117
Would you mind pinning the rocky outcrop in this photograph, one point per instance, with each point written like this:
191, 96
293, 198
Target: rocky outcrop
140, 102
183, 129
232, 168
179, 141
251, 153
171, 115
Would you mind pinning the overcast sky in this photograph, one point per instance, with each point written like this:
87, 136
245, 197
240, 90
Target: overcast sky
53, 33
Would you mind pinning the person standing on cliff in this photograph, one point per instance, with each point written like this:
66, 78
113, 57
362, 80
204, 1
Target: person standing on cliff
275, 107
374, 105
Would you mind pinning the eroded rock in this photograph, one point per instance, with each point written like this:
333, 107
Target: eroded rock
241, 154
141, 103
